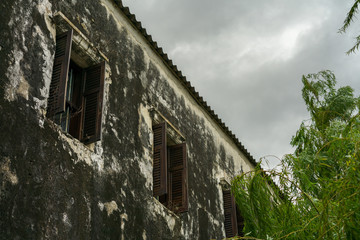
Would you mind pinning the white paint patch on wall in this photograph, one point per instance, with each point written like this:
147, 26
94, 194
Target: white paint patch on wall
8, 176
124, 217
48, 59
101, 206
66, 220
146, 169
146, 163
110, 207
144, 235
44, 8
17, 83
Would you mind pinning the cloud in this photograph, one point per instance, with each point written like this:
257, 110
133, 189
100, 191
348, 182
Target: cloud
247, 58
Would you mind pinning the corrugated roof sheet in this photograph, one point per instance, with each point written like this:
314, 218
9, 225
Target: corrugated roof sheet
183, 79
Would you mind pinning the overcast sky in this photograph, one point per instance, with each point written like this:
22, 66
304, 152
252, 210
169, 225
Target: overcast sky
246, 58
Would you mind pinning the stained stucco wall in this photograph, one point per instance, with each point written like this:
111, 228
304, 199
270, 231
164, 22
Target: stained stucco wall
53, 186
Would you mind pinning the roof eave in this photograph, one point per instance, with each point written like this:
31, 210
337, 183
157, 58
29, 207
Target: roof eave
168, 62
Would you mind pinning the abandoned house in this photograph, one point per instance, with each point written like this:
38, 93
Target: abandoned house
102, 137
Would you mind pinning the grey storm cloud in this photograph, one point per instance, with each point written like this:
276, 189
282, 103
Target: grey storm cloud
246, 58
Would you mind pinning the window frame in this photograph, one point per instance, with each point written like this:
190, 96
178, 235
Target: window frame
170, 192
93, 75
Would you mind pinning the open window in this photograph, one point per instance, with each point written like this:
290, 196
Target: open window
75, 100
234, 223
169, 170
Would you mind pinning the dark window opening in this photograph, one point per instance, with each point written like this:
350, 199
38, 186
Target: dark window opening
240, 222
169, 171
76, 93
69, 120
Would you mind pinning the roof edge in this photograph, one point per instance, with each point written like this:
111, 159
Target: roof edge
199, 99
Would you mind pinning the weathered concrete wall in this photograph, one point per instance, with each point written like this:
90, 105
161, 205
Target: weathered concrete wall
53, 186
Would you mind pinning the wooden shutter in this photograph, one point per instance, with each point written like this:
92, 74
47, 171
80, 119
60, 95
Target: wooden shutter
230, 214
178, 199
160, 162
57, 98
93, 103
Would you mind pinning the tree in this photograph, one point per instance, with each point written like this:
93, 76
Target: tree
317, 193
347, 22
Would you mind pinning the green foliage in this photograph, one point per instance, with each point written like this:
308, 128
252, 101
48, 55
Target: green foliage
317, 195
348, 20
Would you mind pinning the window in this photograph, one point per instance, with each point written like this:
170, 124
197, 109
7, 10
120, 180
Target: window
76, 93
234, 223
169, 170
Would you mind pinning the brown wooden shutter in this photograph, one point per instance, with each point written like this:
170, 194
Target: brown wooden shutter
230, 214
178, 197
160, 160
57, 98
93, 103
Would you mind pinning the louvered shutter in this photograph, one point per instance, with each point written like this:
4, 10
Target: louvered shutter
178, 199
57, 98
230, 214
160, 162
93, 103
